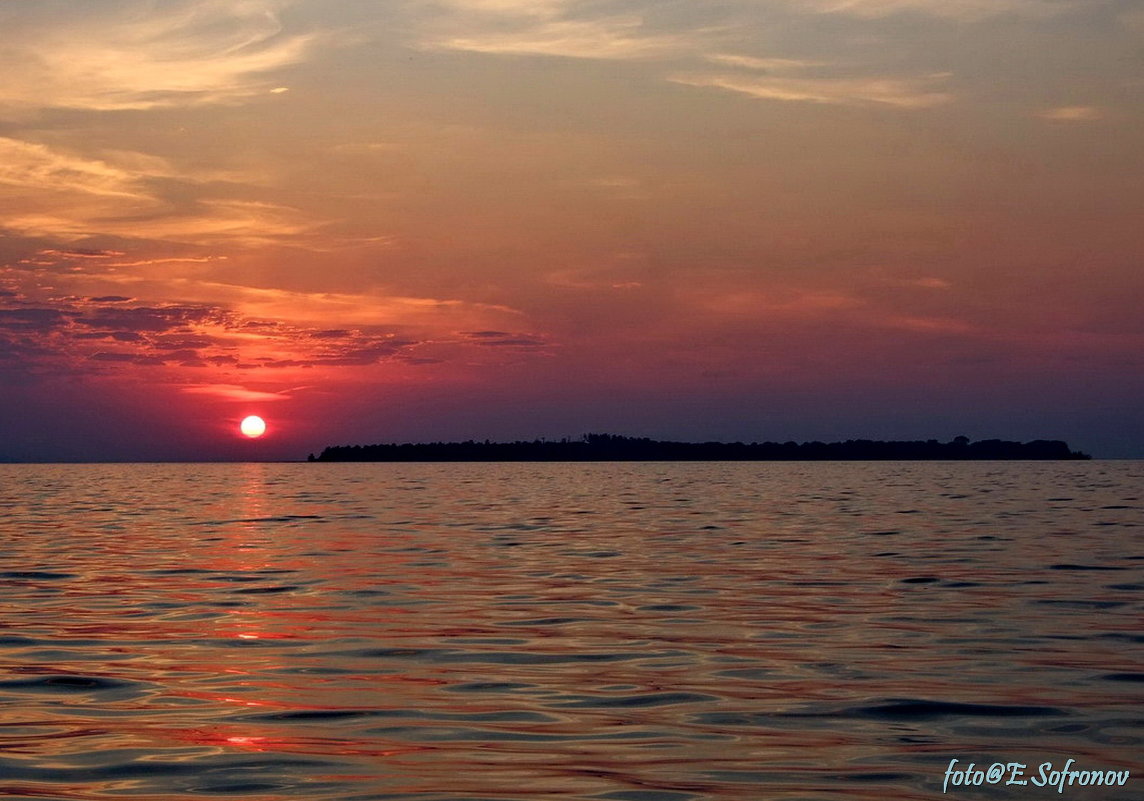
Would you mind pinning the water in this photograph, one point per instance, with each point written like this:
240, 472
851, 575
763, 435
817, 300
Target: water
624, 632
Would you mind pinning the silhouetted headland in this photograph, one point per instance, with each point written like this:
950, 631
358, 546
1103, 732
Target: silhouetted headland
613, 448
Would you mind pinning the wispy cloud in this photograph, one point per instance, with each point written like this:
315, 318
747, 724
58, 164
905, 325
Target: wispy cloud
233, 392
67, 196
793, 80
215, 222
607, 38
168, 260
764, 64
29, 165
81, 254
963, 10
325, 308
209, 222
931, 325
131, 55
1072, 114
547, 28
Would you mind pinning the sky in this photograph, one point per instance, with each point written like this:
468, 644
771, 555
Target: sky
416, 220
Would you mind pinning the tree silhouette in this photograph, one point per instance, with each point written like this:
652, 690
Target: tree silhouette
616, 448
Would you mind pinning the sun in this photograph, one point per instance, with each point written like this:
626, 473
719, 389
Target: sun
253, 426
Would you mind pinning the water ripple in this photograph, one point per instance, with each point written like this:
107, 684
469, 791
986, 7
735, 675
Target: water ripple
622, 632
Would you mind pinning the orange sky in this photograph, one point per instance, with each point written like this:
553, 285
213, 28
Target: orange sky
793, 219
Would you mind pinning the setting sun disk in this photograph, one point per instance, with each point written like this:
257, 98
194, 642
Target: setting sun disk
253, 426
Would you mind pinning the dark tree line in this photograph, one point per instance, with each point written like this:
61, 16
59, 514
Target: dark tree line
614, 448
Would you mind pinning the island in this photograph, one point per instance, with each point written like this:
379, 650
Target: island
616, 448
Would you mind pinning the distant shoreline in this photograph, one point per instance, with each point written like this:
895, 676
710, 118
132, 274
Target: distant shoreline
615, 448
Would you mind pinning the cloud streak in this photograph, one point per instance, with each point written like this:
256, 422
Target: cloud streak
33, 166
958, 10
807, 81
234, 392
1072, 114
66, 196
143, 55
617, 38
548, 28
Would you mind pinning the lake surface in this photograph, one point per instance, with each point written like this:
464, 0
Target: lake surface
623, 632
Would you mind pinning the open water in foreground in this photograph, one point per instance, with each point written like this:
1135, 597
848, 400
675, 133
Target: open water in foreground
614, 632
